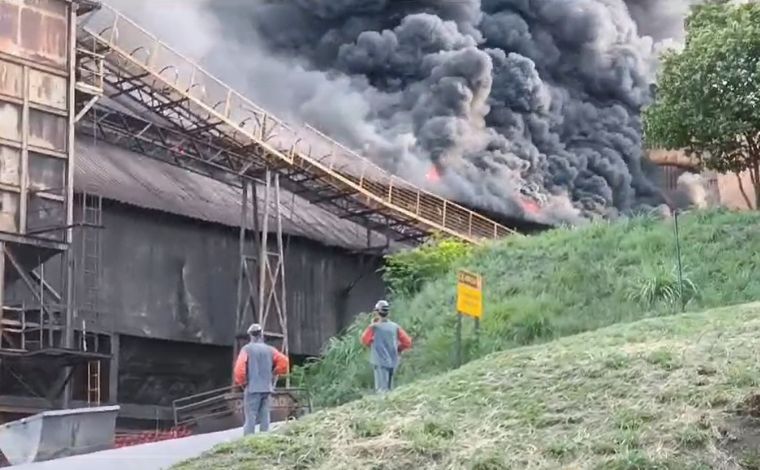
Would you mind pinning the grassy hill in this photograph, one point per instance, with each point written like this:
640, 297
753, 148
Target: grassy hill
663, 393
557, 284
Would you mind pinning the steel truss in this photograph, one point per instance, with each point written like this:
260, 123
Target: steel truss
142, 71
207, 158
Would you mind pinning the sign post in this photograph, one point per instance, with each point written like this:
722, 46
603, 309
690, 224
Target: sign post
469, 303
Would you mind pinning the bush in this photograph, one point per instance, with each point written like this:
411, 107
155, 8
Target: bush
659, 286
406, 272
339, 376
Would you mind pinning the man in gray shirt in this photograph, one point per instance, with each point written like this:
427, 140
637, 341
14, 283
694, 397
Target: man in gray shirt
386, 341
255, 370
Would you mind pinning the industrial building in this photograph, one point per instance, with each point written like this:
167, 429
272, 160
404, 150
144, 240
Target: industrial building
710, 189
164, 272
148, 213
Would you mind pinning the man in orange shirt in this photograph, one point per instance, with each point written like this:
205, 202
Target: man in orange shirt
256, 367
386, 341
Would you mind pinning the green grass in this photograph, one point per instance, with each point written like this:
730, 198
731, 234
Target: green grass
662, 393
561, 283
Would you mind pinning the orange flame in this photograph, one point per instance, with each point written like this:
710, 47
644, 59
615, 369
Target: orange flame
530, 206
432, 175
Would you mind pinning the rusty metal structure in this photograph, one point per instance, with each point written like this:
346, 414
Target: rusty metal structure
39, 87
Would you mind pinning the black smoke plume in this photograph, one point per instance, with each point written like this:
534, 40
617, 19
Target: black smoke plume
504, 98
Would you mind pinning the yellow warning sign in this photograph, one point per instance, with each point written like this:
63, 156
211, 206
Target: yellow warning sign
469, 294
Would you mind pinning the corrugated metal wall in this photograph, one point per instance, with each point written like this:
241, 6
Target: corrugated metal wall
173, 278
169, 289
169, 283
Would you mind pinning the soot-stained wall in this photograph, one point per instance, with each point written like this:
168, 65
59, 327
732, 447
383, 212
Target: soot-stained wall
156, 372
169, 290
173, 278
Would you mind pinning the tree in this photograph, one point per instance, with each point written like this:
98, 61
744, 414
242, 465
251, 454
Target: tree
707, 99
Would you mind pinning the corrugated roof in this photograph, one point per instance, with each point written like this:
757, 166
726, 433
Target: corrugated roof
121, 175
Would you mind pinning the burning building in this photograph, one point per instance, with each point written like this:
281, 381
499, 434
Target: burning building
142, 222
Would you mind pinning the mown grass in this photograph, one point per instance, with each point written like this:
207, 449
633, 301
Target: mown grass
558, 284
656, 394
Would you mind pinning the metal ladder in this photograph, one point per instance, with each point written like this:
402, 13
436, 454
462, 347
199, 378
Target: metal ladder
94, 392
94, 396
92, 215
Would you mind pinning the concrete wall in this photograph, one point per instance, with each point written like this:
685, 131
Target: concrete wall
675, 162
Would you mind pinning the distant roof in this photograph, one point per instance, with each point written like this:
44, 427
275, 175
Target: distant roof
121, 175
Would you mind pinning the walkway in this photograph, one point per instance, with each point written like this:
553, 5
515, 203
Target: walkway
154, 456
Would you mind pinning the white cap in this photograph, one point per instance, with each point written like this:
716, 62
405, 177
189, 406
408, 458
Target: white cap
254, 329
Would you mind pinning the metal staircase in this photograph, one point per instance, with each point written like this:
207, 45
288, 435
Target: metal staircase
138, 69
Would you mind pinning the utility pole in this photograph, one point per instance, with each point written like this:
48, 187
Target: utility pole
678, 260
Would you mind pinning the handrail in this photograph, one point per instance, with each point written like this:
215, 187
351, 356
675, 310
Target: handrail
221, 396
306, 147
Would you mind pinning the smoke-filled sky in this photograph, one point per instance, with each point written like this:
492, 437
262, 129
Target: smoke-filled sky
496, 95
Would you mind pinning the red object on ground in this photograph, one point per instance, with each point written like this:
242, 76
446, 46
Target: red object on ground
146, 437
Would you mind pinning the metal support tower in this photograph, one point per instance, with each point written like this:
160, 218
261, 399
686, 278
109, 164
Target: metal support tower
261, 280
247, 288
272, 307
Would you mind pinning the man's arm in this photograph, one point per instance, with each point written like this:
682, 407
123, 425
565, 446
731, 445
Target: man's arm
240, 372
281, 363
368, 336
404, 340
